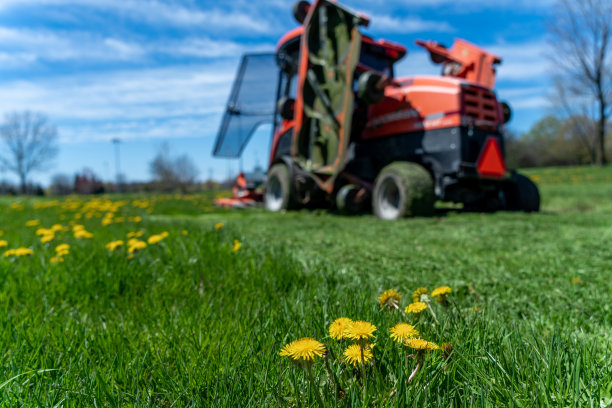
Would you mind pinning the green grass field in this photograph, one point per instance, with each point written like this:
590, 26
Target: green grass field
198, 319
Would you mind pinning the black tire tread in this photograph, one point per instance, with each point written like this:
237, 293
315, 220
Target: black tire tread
522, 194
417, 185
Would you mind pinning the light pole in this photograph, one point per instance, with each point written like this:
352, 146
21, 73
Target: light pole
116, 142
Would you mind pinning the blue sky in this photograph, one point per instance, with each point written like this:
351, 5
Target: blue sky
154, 71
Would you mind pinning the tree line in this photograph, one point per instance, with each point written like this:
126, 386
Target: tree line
556, 141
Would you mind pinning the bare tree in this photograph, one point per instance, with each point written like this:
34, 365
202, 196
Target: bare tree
61, 184
173, 172
30, 144
581, 34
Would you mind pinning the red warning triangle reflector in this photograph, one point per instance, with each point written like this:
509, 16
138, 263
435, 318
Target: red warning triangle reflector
491, 161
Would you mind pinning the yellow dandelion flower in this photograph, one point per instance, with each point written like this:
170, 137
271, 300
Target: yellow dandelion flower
56, 259
304, 350
403, 331
420, 344
137, 218
44, 231
154, 239
32, 223
135, 234
78, 227
3, 243
416, 307
416, 296
184, 232
81, 233
338, 327
237, 245
218, 226
136, 245
352, 354
62, 248
56, 227
360, 330
47, 238
106, 221
111, 246
442, 290
390, 297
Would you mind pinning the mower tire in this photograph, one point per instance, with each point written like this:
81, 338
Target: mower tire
403, 189
278, 195
522, 194
348, 200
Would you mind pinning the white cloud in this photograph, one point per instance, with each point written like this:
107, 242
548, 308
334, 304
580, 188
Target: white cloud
25, 47
124, 49
151, 101
456, 6
406, 25
37, 45
523, 61
160, 13
188, 127
205, 47
537, 102
16, 60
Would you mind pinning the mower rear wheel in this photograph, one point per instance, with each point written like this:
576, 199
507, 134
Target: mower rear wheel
403, 189
522, 194
278, 194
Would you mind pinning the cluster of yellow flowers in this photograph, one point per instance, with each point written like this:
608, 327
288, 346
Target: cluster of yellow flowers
46, 234
360, 331
304, 351
18, 252
111, 246
76, 210
60, 251
80, 232
135, 245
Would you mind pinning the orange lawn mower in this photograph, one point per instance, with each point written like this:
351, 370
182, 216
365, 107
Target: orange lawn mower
348, 134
